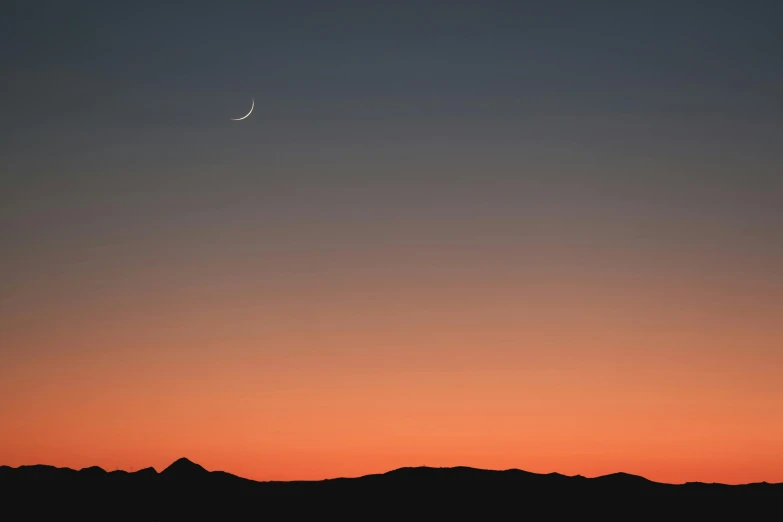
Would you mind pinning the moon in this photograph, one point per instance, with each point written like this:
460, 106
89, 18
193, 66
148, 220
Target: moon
253, 104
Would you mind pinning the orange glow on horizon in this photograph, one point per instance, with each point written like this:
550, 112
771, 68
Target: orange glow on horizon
568, 373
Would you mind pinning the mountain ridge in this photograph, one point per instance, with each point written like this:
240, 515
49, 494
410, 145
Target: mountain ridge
185, 490
186, 467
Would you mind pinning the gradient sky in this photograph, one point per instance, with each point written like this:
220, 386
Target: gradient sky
546, 236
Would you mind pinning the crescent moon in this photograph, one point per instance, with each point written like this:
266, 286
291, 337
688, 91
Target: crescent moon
253, 104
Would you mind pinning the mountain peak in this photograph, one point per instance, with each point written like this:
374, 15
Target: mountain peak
184, 468
625, 477
93, 471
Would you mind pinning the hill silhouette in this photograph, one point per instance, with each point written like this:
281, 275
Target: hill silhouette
186, 490
184, 469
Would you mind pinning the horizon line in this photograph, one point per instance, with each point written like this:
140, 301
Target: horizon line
578, 475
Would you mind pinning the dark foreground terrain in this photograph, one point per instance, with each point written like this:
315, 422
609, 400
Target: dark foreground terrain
186, 491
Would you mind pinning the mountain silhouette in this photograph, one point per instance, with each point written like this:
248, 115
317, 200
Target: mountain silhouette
93, 471
184, 469
187, 491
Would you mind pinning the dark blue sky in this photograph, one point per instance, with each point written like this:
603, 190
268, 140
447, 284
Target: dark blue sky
422, 106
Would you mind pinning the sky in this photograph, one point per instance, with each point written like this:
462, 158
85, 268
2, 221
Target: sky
535, 235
